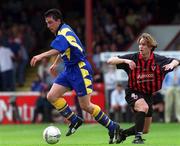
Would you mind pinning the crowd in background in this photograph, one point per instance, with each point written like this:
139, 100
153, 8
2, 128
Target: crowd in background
15, 43
116, 23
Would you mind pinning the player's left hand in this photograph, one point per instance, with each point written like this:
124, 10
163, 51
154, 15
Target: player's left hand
168, 67
171, 65
53, 70
35, 59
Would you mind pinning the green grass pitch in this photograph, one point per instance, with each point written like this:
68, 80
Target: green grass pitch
87, 135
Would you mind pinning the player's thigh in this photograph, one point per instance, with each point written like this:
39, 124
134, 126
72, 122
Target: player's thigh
147, 124
136, 101
56, 91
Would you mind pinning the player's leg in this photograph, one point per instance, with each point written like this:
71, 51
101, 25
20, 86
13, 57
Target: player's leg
131, 131
55, 97
100, 117
141, 108
147, 124
140, 105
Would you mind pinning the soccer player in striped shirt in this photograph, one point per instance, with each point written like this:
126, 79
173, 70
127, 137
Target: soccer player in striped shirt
77, 75
146, 71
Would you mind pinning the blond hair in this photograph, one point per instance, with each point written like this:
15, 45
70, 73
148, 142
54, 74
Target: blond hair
150, 40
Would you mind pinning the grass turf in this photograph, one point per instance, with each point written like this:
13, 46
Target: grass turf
87, 135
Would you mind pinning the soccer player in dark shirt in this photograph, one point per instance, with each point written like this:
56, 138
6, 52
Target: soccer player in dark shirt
77, 75
146, 71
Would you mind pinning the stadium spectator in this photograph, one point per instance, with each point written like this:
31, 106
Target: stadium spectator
146, 72
98, 77
15, 111
42, 109
96, 56
110, 80
131, 17
22, 63
21, 54
145, 16
120, 42
14, 43
118, 104
38, 84
109, 25
43, 71
176, 19
171, 85
158, 105
6, 68
77, 75
113, 47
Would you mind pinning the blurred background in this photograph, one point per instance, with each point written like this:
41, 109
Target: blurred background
106, 28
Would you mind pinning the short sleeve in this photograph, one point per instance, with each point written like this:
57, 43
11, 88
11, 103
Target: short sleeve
60, 43
127, 56
124, 65
162, 60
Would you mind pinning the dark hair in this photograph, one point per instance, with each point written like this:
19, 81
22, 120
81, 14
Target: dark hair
119, 85
55, 13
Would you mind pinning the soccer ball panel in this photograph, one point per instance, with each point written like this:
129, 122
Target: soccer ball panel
51, 135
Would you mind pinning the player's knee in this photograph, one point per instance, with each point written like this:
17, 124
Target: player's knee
141, 105
50, 97
145, 108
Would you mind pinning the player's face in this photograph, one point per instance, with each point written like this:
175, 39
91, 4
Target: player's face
144, 48
52, 24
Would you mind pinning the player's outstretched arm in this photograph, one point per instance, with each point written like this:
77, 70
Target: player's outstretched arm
39, 57
117, 60
171, 65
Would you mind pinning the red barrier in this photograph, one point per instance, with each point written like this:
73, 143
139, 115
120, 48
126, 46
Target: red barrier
26, 105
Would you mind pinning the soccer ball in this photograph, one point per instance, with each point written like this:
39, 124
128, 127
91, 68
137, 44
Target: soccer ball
51, 134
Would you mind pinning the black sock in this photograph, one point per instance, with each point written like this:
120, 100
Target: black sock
130, 131
139, 123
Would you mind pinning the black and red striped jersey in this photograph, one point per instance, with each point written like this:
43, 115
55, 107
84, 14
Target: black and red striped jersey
148, 75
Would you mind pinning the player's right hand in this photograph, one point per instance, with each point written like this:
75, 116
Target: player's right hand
35, 59
132, 64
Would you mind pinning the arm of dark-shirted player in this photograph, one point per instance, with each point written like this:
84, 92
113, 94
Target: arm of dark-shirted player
171, 65
117, 60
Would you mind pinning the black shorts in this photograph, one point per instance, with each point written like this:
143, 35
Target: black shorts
133, 96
